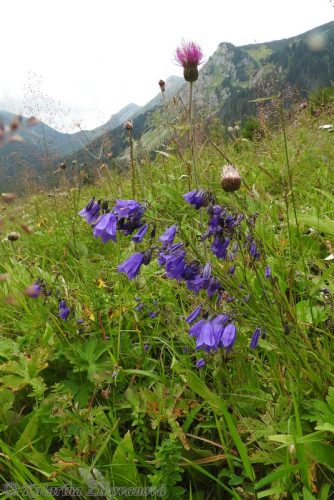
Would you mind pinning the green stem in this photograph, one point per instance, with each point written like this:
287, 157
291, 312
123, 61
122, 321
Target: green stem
133, 184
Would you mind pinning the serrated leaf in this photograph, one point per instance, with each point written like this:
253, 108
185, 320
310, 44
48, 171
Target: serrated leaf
124, 469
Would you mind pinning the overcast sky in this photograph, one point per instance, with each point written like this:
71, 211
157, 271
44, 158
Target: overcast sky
88, 58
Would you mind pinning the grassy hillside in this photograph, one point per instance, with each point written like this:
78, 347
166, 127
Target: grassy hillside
101, 383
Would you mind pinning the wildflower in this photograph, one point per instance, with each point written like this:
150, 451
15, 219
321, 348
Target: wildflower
206, 338
162, 85
132, 265
267, 272
137, 238
33, 291
125, 208
192, 316
64, 310
219, 246
189, 56
91, 211
175, 266
106, 228
139, 307
153, 314
129, 214
228, 336
199, 198
253, 251
146, 347
168, 237
128, 125
200, 363
255, 338
230, 179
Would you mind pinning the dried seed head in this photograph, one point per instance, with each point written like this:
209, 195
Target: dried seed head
13, 236
162, 85
128, 125
230, 179
63, 165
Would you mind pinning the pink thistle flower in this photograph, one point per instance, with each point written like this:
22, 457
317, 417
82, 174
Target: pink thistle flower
189, 55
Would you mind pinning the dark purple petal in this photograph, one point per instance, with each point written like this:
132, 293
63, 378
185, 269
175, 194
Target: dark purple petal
131, 266
168, 237
206, 338
229, 335
195, 330
192, 316
105, 228
33, 291
64, 311
137, 238
255, 338
200, 363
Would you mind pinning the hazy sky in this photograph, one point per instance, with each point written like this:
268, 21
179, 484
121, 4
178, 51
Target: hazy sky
90, 58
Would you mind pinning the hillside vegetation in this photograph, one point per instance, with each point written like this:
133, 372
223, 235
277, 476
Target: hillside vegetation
102, 385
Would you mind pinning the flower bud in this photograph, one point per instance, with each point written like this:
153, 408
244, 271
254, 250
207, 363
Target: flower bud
190, 73
128, 125
162, 85
13, 236
230, 179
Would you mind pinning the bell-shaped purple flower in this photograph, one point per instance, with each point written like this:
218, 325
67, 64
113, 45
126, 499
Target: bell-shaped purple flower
91, 211
228, 336
33, 291
132, 265
195, 330
105, 228
267, 272
192, 316
219, 246
206, 338
137, 238
64, 310
200, 363
125, 208
255, 338
168, 237
175, 266
198, 198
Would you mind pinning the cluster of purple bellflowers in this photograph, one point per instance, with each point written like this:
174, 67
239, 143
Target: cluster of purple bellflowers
222, 230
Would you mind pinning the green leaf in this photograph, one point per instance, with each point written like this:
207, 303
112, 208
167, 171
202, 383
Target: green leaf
284, 471
124, 469
324, 225
196, 384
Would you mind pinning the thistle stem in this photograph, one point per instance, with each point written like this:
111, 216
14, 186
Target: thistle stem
133, 184
191, 135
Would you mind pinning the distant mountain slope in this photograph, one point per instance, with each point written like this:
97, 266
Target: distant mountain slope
228, 81
234, 76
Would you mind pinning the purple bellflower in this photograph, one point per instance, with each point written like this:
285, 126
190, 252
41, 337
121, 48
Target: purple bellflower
33, 291
91, 211
137, 238
193, 315
132, 265
267, 272
168, 237
105, 228
198, 198
228, 336
255, 338
200, 363
64, 310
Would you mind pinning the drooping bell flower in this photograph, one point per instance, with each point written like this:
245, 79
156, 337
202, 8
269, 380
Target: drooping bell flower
255, 338
137, 238
105, 228
168, 237
91, 211
64, 310
132, 265
33, 291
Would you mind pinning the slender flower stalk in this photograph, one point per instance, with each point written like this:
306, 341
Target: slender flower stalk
190, 56
129, 127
